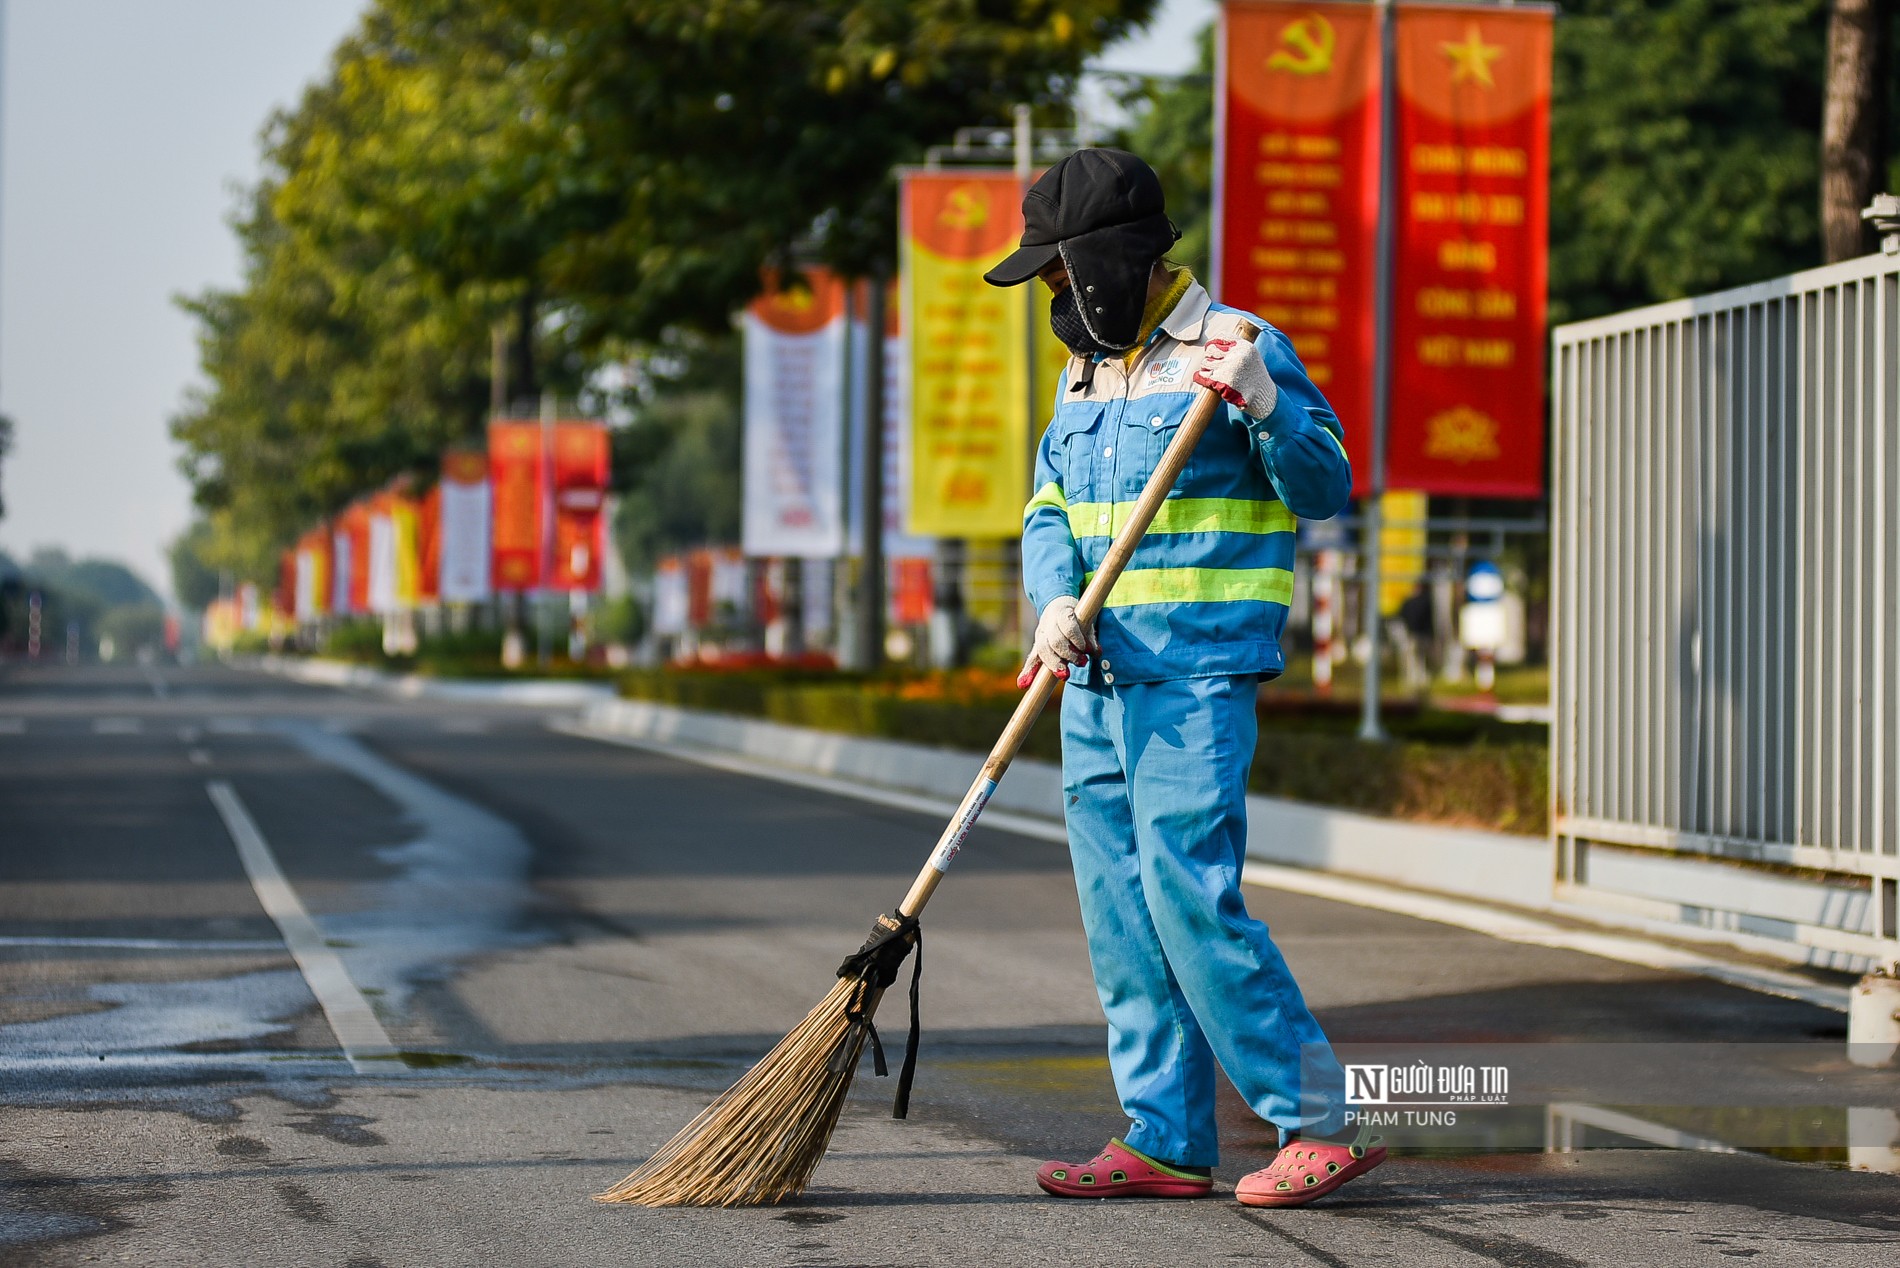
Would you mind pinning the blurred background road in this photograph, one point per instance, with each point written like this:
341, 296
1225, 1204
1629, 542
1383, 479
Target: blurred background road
575, 944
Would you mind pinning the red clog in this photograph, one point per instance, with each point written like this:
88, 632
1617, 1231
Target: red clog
1120, 1172
1304, 1170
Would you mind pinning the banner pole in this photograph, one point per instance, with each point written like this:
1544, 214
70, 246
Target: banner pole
871, 553
1371, 511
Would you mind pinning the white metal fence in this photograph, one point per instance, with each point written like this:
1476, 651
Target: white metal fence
1725, 521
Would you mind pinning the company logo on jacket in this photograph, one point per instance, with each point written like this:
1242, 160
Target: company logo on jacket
1169, 373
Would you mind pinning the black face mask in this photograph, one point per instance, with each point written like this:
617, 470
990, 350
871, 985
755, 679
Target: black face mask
1065, 319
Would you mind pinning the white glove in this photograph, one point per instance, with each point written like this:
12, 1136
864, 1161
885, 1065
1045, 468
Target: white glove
1061, 640
1236, 371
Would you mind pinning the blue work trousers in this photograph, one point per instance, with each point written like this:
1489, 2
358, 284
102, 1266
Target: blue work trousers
1155, 777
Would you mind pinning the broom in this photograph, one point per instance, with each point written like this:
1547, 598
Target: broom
761, 1140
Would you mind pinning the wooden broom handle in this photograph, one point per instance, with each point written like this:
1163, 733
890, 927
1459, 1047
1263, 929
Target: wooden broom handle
1093, 600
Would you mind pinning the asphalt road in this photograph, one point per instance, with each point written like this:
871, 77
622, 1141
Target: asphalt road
577, 943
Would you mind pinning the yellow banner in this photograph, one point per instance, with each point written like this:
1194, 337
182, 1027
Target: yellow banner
967, 349
402, 523
1401, 547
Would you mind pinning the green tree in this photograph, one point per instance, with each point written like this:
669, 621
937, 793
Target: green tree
1174, 131
1684, 145
194, 579
676, 464
679, 146
594, 176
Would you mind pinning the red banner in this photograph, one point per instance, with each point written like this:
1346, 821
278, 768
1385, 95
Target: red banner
354, 524
1299, 189
284, 599
429, 546
1473, 161
528, 462
515, 472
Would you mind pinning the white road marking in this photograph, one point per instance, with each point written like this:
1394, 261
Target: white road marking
1493, 922
357, 1029
12, 726
148, 944
116, 726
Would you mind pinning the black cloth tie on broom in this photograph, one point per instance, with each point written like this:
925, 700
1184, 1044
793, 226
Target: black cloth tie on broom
875, 966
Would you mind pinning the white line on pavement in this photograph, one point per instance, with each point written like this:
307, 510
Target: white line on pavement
147, 944
365, 1042
1493, 922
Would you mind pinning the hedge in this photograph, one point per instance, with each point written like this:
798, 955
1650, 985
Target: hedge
1458, 769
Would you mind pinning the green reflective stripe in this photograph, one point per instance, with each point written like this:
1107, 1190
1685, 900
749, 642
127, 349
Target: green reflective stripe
1049, 494
1200, 585
1337, 441
1185, 515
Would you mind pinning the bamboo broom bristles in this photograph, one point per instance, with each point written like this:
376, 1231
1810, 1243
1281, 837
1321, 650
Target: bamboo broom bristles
761, 1140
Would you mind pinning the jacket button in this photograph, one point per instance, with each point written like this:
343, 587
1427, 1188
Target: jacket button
1108, 678
1105, 663
1102, 518
1155, 421
1109, 452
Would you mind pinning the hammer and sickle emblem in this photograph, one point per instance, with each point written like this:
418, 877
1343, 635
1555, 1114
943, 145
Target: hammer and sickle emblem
966, 207
1306, 47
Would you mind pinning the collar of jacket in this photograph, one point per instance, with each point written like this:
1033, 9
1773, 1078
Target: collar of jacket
1184, 322
1159, 308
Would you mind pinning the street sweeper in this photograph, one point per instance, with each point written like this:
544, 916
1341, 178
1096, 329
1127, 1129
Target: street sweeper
1158, 722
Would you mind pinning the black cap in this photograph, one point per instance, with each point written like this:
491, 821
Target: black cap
1083, 193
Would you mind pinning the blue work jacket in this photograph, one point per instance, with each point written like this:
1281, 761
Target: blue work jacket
1207, 590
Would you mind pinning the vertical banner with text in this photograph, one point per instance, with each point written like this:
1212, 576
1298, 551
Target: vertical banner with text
581, 462
1472, 157
966, 355
1297, 200
794, 415
515, 492
463, 575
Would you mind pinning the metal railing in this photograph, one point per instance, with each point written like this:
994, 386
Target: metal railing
1726, 523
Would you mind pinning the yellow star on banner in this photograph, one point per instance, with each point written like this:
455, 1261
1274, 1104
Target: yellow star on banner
1471, 60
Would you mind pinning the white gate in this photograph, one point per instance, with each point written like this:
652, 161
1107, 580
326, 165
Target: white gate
1725, 742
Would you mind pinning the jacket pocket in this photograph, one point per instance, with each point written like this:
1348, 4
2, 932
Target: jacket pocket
1079, 427
1163, 424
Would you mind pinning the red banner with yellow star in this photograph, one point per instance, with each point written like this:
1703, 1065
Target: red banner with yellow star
1472, 161
1298, 200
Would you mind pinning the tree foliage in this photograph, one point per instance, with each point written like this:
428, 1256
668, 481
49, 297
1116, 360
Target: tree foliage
599, 176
